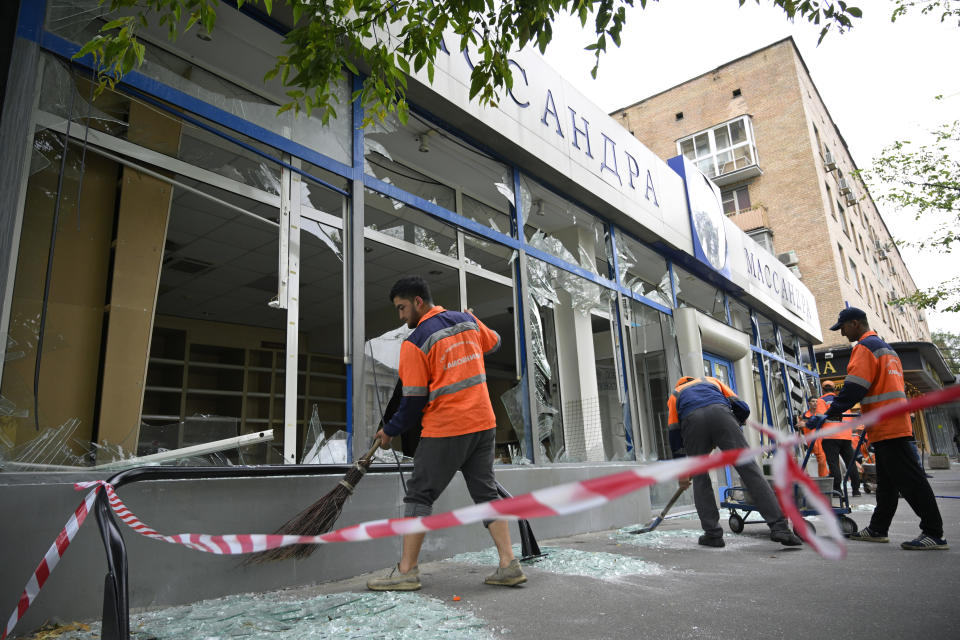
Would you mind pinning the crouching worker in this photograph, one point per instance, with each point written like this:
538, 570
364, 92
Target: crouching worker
705, 413
445, 390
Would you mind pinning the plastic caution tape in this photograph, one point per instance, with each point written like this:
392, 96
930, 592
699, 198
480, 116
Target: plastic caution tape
558, 500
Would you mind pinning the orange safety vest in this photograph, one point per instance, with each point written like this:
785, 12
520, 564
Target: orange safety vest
443, 360
673, 417
876, 367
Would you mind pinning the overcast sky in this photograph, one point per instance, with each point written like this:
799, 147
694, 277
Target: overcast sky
878, 80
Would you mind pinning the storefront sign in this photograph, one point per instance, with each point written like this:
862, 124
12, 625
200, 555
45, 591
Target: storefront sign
721, 245
549, 118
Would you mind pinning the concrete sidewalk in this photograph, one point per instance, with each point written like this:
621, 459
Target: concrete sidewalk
611, 584
753, 588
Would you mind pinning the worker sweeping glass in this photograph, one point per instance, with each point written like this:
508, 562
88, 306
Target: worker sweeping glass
445, 391
705, 413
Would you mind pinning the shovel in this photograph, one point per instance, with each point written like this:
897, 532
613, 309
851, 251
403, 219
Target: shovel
656, 521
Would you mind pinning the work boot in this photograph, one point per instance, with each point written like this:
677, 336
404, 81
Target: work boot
711, 541
394, 580
923, 542
786, 537
868, 535
508, 576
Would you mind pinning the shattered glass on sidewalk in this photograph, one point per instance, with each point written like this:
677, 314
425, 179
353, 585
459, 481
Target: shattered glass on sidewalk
344, 616
572, 562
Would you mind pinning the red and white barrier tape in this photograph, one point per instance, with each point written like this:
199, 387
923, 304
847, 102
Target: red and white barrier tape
559, 500
50, 559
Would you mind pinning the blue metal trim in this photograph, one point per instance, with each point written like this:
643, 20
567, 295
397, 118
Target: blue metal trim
137, 82
30, 19
350, 411
642, 299
446, 215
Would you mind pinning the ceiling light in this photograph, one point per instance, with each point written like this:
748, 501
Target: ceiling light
203, 35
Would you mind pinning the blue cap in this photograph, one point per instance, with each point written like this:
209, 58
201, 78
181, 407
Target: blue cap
850, 313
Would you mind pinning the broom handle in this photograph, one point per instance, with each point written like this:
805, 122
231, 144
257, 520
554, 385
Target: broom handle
373, 450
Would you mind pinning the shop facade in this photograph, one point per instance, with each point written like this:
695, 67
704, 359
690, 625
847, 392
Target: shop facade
184, 266
218, 269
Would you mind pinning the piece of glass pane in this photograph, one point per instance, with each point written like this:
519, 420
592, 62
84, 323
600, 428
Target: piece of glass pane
81, 20
653, 349
426, 149
738, 133
729, 202
743, 198
694, 292
768, 336
721, 137
742, 156
643, 271
686, 148
485, 214
708, 167
702, 143
725, 162
489, 255
411, 181
561, 228
740, 317
397, 220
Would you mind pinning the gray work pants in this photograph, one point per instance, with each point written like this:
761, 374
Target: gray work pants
714, 426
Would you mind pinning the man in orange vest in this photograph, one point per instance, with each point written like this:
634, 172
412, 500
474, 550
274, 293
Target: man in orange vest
704, 413
875, 380
823, 469
445, 390
838, 445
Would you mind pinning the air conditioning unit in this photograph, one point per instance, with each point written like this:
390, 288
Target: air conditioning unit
789, 258
851, 199
844, 186
828, 162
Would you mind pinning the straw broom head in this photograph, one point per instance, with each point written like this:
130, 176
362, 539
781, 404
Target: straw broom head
318, 518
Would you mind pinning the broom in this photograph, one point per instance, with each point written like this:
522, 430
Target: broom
319, 517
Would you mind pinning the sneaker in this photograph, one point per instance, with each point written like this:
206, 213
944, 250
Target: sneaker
868, 535
856, 494
396, 581
923, 542
711, 541
786, 537
508, 576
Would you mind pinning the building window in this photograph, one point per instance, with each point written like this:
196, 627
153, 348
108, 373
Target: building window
843, 263
816, 135
833, 209
856, 275
735, 200
843, 220
723, 149
764, 237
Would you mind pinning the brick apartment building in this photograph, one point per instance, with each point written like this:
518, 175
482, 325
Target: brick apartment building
759, 128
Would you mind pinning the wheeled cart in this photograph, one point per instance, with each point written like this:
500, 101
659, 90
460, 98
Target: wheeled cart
737, 500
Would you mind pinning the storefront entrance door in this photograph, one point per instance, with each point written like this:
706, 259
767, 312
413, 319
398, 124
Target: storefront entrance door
722, 370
